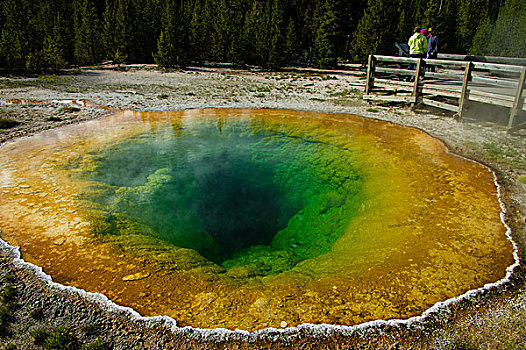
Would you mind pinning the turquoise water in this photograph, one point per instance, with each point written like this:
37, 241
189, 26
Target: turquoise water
239, 194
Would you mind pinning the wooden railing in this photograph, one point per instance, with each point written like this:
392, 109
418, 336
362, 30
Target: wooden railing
450, 87
518, 61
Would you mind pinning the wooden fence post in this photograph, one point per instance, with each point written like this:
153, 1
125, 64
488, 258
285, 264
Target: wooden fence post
517, 104
464, 94
371, 66
418, 73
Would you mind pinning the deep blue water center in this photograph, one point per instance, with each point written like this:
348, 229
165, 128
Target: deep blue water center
234, 191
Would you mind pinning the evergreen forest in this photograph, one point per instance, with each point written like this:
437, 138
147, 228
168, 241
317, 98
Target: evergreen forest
48, 35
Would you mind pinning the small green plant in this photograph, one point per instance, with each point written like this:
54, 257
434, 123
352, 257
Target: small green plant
70, 109
76, 71
98, 345
90, 328
61, 338
9, 278
522, 179
263, 89
39, 335
7, 123
7, 304
162, 96
459, 344
7, 296
36, 314
5, 316
493, 150
54, 119
373, 110
348, 102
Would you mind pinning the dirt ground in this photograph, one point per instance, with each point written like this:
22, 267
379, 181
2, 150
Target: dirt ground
495, 319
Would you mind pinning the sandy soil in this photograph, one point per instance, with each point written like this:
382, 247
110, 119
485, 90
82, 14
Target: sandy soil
144, 88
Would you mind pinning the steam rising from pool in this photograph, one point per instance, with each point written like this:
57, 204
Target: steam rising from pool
230, 189
249, 219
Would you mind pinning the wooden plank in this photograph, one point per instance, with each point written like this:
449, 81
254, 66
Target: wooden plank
441, 105
452, 56
473, 91
382, 58
400, 71
438, 92
516, 128
389, 98
464, 94
407, 60
394, 87
490, 59
418, 73
395, 82
518, 61
519, 101
443, 88
452, 76
448, 63
497, 67
494, 81
370, 74
394, 71
491, 100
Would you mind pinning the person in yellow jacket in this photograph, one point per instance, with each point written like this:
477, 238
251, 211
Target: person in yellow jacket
417, 46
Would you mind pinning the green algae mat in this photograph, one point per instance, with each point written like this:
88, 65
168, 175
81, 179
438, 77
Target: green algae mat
247, 219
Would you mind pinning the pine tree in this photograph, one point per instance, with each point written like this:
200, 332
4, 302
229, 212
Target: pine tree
470, 14
146, 24
263, 32
237, 11
222, 31
121, 37
292, 45
199, 31
484, 33
166, 55
507, 37
14, 38
275, 55
251, 24
327, 35
53, 50
108, 24
433, 13
375, 32
170, 52
88, 46
52, 55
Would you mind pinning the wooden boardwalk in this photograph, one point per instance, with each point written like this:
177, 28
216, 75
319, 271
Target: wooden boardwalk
452, 85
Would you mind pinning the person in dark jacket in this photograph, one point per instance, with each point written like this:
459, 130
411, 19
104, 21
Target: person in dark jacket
432, 46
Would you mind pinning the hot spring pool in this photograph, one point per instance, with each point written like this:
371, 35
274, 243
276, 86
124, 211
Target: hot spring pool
248, 219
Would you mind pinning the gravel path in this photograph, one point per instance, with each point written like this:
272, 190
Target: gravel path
31, 304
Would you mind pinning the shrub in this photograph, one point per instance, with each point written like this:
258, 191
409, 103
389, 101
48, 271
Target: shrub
97, 345
61, 338
36, 314
39, 335
6, 123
